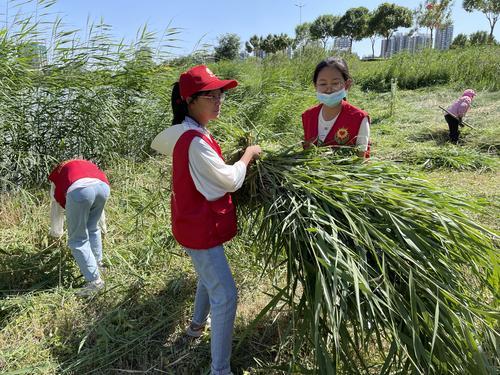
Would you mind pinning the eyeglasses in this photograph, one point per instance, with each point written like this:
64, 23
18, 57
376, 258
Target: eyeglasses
214, 98
335, 86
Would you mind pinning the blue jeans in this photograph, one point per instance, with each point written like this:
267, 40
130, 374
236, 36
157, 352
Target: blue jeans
216, 293
84, 207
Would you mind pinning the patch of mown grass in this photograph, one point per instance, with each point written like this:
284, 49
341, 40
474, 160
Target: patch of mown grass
448, 158
147, 303
418, 125
473, 185
151, 282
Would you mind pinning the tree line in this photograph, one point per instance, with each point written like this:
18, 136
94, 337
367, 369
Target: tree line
360, 23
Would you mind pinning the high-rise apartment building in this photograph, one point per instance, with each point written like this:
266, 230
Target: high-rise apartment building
404, 42
444, 37
342, 43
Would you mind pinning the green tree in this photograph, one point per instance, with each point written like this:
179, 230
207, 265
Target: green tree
433, 14
228, 48
353, 25
254, 45
479, 38
302, 34
387, 18
460, 41
248, 47
282, 42
268, 45
322, 28
490, 8
371, 30
274, 43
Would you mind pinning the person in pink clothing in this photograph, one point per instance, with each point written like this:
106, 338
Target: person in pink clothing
457, 111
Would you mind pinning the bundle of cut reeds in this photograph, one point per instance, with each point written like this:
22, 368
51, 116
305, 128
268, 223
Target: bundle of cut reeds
385, 272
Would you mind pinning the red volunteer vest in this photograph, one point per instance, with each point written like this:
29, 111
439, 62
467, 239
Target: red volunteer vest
196, 222
343, 133
67, 172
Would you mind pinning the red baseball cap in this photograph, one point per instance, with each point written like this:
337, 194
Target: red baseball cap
200, 78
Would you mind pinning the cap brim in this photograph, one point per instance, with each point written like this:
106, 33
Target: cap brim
224, 84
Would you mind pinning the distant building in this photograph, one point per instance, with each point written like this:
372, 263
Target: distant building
404, 42
384, 48
396, 43
443, 38
342, 43
259, 53
418, 42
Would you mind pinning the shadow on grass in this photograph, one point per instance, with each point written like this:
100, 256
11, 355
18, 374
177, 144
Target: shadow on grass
268, 347
440, 137
376, 120
143, 333
24, 270
136, 331
132, 328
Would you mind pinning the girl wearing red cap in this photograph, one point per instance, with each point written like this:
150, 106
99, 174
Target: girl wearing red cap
456, 111
335, 122
203, 213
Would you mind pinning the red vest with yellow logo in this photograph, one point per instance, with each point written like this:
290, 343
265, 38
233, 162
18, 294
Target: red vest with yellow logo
343, 132
196, 222
67, 172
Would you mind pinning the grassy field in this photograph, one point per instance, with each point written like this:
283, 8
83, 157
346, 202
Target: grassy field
96, 97
136, 325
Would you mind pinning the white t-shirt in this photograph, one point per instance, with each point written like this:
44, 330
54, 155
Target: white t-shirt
362, 138
212, 177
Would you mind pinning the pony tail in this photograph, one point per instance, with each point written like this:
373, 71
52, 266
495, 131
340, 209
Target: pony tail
179, 106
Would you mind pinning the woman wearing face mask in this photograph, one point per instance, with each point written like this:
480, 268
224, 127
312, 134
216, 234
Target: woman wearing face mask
335, 122
203, 214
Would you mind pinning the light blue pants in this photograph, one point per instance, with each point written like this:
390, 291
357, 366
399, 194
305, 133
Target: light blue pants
84, 207
216, 293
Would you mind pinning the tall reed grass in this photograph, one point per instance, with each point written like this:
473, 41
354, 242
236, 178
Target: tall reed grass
67, 94
475, 67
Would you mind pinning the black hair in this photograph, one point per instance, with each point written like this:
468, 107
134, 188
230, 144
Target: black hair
334, 62
180, 106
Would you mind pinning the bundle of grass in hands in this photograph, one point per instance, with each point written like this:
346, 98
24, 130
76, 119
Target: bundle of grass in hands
385, 273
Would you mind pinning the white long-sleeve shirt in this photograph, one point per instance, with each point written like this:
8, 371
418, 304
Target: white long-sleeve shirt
57, 212
362, 139
212, 177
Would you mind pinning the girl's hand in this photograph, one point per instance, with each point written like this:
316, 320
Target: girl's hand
251, 153
306, 144
254, 150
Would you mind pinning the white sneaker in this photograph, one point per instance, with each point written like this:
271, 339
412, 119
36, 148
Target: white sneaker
91, 288
195, 330
103, 268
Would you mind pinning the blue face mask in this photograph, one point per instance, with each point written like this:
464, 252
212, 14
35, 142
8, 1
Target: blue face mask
331, 100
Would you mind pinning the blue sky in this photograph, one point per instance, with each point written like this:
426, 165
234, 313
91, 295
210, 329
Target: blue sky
206, 20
